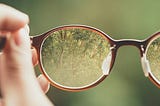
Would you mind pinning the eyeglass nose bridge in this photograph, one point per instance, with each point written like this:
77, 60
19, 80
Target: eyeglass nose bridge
140, 44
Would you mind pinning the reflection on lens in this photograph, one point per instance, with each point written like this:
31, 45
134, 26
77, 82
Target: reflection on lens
153, 56
73, 57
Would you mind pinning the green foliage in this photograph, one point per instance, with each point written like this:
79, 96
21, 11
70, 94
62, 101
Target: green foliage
153, 55
73, 57
134, 19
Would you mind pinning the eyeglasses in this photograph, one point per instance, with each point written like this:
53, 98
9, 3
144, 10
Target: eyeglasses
78, 57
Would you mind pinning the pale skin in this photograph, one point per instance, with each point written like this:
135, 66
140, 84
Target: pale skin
18, 83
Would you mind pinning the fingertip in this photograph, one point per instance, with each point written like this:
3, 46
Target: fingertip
34, 57
45, 85
12, 19
1, 102
27, 28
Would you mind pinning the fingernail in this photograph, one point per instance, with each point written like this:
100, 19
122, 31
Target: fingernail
34, 57
44, 83
19, 36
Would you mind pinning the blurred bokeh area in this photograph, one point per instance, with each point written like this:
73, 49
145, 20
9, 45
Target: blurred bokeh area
121, 19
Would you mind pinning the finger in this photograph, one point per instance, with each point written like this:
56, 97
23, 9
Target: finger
27, 28
34, 57
17, 37
17, 62
11, 19
17, 53
34, 52
45, 85
1, 102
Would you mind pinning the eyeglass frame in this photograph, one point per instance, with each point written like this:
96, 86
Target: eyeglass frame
142, 45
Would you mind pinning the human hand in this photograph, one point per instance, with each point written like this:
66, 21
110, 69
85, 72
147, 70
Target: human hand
18, 83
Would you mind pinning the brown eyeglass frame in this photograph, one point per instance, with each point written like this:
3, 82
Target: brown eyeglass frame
37, 42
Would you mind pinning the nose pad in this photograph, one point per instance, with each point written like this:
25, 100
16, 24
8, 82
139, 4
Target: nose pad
145, 65
107, 64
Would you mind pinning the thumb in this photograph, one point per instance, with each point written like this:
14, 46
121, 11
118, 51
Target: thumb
17, 53
16, 69
11, 19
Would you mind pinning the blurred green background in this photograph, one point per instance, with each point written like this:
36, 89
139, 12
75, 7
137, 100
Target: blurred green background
135, 19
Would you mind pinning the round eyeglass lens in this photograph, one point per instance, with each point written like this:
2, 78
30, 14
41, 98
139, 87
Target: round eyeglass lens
153, 56
73, 57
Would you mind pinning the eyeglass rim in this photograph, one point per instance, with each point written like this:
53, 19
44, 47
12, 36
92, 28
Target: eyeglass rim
40, 43
151, 76
40, 38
